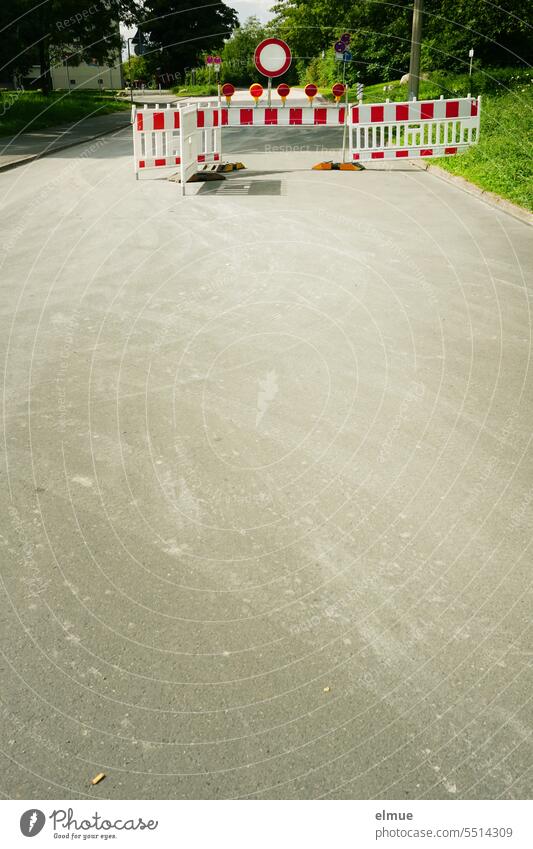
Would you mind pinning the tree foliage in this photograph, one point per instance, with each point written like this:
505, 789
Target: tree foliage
381, 32
177, 32
54, 30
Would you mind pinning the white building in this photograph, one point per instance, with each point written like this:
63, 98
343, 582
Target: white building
85, 75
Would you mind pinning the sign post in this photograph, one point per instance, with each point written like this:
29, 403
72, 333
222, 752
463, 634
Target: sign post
217, 61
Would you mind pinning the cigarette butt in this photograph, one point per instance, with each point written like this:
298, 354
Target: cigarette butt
98, 778
326, 689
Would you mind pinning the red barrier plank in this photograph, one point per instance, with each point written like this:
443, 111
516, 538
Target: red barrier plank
402, 112
271, 116
295, 116
452, 108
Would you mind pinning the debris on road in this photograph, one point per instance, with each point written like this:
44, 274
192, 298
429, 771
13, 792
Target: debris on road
98, 778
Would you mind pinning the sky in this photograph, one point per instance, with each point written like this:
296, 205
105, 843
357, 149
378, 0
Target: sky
246, 8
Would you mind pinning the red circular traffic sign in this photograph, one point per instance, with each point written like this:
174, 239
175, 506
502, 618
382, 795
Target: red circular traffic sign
283, 90
228, 90
338, 90
311, 90
256, 90
272, 57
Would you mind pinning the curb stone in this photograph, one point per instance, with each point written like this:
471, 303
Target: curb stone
31, 157
487, 197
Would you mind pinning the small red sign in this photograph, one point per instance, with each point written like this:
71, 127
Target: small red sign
338, 90
228, 90
283, 90
311, 90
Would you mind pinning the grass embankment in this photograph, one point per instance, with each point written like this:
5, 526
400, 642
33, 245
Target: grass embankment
502, 161
196, 91
25, 111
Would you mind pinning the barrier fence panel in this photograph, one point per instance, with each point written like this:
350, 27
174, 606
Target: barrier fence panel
189, 144
156, 139
376, 131
413, 129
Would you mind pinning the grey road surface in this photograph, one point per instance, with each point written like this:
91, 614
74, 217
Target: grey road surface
266, 482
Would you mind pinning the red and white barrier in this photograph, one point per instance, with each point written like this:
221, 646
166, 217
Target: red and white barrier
156, 138
413, 129
392, 131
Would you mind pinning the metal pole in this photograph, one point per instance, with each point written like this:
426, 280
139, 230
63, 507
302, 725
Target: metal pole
345, 126
416, 38
129, 68
270, 92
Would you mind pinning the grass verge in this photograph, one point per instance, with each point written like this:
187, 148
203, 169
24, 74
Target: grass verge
196, 91
502, 161
25, 111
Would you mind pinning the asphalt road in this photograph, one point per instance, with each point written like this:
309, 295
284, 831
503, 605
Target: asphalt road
266, 482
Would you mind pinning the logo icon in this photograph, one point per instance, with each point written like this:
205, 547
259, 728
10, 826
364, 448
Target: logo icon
32, 822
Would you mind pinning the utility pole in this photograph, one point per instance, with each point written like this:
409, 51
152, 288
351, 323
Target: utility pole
416, 38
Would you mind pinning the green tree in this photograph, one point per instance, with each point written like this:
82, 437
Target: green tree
381, 32
177, 32
54, 30
238, 53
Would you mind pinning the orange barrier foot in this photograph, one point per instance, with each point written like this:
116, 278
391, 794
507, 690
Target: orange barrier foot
337, 166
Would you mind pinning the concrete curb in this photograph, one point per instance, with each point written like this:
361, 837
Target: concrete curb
470, 188
31, 157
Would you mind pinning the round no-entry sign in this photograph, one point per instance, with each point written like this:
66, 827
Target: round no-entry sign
272, 57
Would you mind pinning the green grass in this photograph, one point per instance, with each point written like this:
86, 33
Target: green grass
502, 161
204, 90
31, 110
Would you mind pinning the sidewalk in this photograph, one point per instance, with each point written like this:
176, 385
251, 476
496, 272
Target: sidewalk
16, 150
